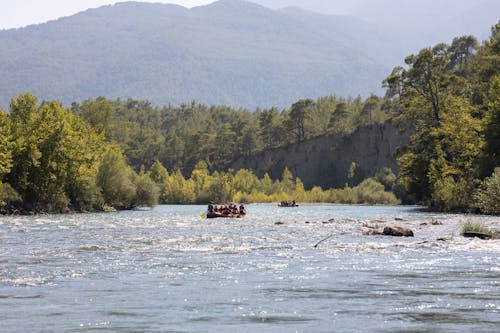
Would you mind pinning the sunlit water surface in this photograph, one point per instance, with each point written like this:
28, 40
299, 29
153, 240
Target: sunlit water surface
305, 269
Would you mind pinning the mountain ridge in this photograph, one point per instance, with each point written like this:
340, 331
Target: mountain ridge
236, 53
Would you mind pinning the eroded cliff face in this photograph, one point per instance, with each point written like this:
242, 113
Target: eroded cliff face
326, 160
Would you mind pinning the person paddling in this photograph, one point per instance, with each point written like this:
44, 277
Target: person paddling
242, 210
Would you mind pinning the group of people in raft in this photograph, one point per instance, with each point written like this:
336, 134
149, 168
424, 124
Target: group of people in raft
288, 204
226, 211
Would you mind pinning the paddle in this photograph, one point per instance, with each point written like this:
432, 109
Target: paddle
324, 239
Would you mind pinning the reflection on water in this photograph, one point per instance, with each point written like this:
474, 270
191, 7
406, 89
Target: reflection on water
169, 270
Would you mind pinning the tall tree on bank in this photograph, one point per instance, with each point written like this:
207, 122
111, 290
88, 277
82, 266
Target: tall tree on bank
55, 156
437, 95
6, 191
299, 113
5, 144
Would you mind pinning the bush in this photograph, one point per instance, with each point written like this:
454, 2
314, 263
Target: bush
477, 227
372, 192
147, 192
8, 194
450, 195
115, 179
487, 197
386, 177
86, 195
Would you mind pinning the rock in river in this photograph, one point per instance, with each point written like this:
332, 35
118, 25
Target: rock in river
397, 231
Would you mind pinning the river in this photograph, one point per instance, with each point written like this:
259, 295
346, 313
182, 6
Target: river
169, 270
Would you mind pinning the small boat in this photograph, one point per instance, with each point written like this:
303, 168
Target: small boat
287, 204
212, 215
228, 211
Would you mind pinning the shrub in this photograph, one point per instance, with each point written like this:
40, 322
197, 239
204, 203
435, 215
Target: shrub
147, 192
487, 197
477, 227
8, 194
372, 192
450, 195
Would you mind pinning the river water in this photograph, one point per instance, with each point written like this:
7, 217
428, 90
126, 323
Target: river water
305, 269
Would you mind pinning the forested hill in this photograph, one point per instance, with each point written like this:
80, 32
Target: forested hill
230, 52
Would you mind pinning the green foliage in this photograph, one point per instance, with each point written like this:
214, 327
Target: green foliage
244, 186
245, 181
386, 177
492, 121
440, 95
352, 170
159, 174
8, 195
100, 114
179, 137
5, 144
115, 178
450, 194
86, 194
54, 156
60, 162
147, 192
179, 190
287, 184
368, 192
487, 196
297, 117
477, 227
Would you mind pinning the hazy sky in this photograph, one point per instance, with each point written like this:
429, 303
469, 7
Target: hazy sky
19, 13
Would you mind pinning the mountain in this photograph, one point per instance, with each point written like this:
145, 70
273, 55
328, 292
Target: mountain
419, 23
229, 52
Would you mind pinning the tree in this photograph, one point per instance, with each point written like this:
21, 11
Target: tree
485, 65
221, 189
6, 191
5, 144
287, 184
461, 51
55, 156
159, 174
147, 192
369, 108
115, 178
426, 78
268, 120
297, 117
488, 194
438, 166
492, 122
266, 183
337, 122
179, 190
100, 114
25, 152
201, 181
245, 181
248, 142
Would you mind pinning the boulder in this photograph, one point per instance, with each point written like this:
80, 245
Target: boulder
397, 231
479, 235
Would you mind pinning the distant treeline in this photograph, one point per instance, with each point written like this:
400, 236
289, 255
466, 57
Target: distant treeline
179, 137
129, 153
95, 156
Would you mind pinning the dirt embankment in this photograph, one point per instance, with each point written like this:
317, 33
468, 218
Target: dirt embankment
326, 160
